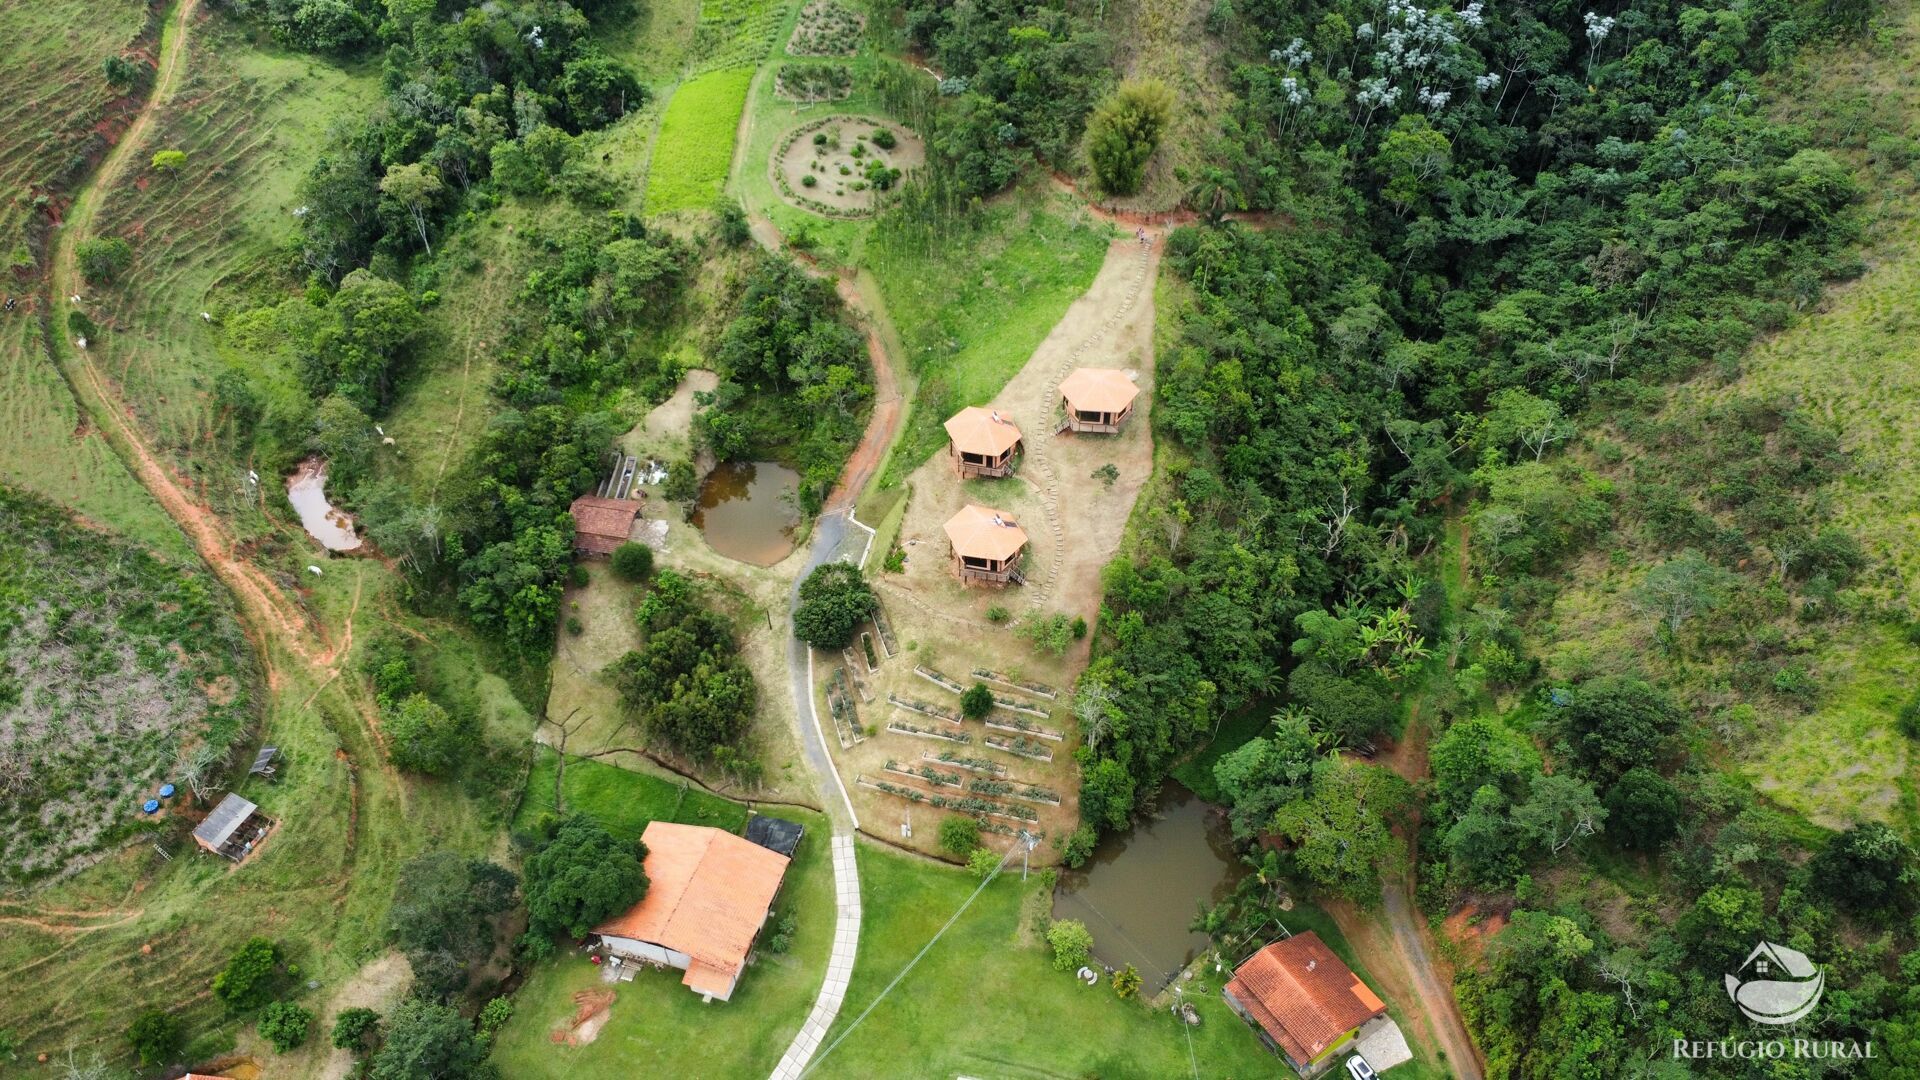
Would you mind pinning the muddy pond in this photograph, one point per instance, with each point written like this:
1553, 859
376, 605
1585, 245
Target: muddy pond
1144, 886
306, 490
749, 510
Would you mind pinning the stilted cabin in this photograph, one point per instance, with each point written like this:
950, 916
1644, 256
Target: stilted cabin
987, 545
1097, 400
981, 442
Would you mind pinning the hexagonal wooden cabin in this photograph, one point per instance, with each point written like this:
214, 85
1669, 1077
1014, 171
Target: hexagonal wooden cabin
981, 442
1097, 399
986, 545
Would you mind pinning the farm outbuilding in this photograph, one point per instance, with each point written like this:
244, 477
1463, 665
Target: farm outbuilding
233, 828
981, 442
1097, 399
987, 545
600, 524
1305, 1003
711, 893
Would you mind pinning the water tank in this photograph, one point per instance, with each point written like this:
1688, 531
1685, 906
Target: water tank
151, 805
166, 791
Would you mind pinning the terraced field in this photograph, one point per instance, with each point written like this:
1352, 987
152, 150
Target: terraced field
56, 109
208, 238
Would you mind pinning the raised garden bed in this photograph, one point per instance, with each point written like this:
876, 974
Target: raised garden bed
1009, 789
903, 728
969, 803
926, 773
846, 715
1011, 683
971, 764
938, 679
1018, 747
1020, 707
866, 646
888, 643
1025, 728
925, 709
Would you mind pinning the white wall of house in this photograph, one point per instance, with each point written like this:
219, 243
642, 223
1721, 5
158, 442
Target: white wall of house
635, 949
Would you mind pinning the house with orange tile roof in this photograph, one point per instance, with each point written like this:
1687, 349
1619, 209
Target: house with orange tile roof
1304, 1002
710, 892
601, 525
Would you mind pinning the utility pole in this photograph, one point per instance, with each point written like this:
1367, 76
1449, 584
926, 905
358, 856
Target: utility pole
1028, 842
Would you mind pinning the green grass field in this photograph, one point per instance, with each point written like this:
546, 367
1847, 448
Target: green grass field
986, 1000
623, 800
736, 33
694, 151
657, 1026
971, 314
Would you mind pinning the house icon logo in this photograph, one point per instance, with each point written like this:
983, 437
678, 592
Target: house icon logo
1776, 985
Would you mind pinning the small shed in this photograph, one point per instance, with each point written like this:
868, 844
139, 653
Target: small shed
987, 545
233, 828
981, 442
600, 524
775, 834
1097, 399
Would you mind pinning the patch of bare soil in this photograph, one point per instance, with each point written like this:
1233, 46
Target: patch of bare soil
590, 1013
1471, 928
377, 985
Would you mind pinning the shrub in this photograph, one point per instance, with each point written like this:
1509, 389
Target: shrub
245, 983
834, 601
168, 160
959, 836
354, 1029
633, 562
809, 180
1868, 869
1124, 131
976, 702
997, 614
1078, 846
155, 1037
428, 1039
1126, 982
494, 1016
1107, 473
1049, 633
884, 138
1643, 810
582, 876
1079, 627
1909, 721
782, 937
423, 737
285, 1024
983, 862
1072, 944
102, 258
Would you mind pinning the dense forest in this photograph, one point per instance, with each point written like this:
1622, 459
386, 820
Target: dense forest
1506, 229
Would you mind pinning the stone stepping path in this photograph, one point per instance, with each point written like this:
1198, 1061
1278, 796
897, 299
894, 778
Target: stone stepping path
833, 991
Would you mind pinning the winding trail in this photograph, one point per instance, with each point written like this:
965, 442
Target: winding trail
270, 612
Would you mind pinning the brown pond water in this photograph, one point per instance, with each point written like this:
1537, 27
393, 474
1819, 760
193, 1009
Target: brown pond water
1144, 886
306, 490
748, 510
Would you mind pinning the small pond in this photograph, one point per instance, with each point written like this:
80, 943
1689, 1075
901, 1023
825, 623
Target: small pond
1144, 886
748, 510
306, 490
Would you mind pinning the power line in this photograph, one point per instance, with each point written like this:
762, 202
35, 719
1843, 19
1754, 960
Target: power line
924, 949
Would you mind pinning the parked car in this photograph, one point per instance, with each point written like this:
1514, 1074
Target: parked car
1358, 1068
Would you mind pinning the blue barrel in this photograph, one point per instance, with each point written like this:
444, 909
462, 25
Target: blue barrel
151, 805
166, 791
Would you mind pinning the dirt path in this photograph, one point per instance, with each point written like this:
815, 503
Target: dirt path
272, 614
888, 405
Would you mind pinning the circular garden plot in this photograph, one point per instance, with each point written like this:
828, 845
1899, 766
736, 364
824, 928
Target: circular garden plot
838, 165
